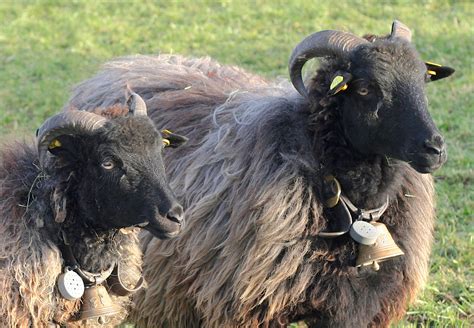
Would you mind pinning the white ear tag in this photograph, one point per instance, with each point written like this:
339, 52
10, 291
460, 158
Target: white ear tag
70, 285
364, 233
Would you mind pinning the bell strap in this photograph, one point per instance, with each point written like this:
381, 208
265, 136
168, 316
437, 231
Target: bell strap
344, 220
95, 278
70, 261
372, 215
341, 208
117, 286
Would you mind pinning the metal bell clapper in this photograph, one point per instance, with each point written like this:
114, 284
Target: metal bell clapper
70, 285
381, 249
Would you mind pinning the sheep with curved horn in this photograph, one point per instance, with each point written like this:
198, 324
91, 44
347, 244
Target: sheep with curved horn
287, 193
70, 211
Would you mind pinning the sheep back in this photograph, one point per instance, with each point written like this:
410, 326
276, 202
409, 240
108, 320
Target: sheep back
250, 254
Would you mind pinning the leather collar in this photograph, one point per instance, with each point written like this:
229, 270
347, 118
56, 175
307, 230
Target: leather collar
343, 211
112, 275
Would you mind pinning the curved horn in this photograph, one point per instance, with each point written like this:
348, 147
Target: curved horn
69, 122
320, 44
136, 105
400, 30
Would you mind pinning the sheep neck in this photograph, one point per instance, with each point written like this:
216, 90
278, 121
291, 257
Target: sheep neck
94, 250
367, 180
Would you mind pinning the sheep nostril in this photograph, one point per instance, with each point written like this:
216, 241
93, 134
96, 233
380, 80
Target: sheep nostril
435, 146
176, 214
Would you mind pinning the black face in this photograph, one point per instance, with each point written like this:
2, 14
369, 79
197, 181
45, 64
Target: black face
120, 177
385, 109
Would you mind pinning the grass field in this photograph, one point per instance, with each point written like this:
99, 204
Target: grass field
48, 46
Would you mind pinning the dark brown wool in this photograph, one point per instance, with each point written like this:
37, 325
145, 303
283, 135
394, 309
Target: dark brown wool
249, 178
30, 260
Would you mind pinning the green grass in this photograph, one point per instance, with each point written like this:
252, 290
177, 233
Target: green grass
48, 46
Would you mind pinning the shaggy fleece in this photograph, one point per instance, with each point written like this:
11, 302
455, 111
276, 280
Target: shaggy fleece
250, 179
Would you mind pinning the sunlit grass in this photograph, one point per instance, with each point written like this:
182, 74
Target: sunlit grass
48, 46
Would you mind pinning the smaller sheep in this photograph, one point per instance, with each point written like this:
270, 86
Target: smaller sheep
71, 204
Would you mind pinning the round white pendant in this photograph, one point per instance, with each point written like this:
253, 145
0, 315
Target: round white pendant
364, 233
70, 285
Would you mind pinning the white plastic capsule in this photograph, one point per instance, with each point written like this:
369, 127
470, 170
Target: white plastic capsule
364, 233
70, 285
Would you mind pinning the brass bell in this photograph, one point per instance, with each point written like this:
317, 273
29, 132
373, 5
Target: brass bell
96, 302
383, 249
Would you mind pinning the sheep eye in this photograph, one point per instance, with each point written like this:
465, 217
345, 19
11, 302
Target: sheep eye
363, 91
108, 165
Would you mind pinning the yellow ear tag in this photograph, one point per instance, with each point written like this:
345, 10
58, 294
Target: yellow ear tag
431, 72
54, 144
434, 64
335, 82
166, 143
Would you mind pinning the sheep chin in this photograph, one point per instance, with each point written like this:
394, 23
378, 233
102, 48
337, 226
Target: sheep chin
162, 228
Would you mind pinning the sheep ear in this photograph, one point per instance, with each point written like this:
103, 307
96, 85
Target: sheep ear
339, 83
437, 71
65, 147
59, 199
58, 202
173, 140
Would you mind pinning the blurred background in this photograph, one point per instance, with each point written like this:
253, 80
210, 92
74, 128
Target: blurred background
46, 47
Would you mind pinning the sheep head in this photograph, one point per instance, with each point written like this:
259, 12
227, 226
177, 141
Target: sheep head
110, 172
379, 89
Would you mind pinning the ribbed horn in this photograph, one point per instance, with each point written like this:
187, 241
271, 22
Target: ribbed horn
400, 30
136, 105
319, 44
71, 122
